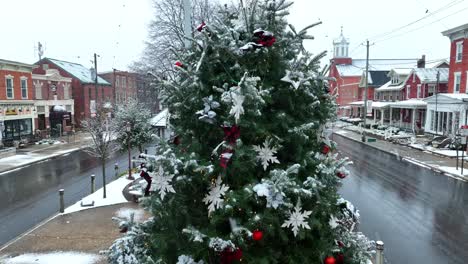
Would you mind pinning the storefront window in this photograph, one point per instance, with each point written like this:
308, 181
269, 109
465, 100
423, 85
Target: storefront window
17, 129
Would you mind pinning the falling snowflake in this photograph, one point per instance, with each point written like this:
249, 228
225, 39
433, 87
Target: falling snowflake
266, 154
297, 219
214, 197
237, 109
162, 183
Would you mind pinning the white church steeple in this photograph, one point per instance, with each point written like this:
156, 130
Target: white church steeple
341, 46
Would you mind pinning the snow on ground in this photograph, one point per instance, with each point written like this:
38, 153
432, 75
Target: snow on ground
53, 258
125, 213
453, 170
113, 193
26, 159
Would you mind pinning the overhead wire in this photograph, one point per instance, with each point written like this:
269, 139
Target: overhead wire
423, 26
449, 5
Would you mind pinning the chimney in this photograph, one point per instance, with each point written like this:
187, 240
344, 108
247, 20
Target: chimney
422, 62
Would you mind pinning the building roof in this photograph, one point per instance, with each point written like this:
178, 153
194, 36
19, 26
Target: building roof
447, 98
410, 103
359, 65
430, 75
16, 63
78, 71
160, 120
402, 71
379, 77
437, 63
455, 30
380, 105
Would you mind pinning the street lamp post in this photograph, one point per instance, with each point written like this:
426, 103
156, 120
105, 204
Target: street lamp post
129, 129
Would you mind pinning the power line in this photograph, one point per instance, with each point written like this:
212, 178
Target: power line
451, 4
423, 26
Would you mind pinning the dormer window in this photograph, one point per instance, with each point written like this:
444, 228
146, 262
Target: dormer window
395, 79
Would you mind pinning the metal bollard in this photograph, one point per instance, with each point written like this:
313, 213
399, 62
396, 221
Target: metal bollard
116, 170
133, 162
379, 259
62, 203
93, 183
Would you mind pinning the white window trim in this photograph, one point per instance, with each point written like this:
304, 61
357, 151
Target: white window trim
466, 87
10, 77
418, 91
455, 74
458, 44
24, 78
408, 90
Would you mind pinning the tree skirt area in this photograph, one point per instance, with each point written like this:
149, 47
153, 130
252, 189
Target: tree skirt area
53, 258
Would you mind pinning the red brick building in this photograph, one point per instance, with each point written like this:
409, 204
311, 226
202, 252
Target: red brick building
124, 84
16, 100
458, 58
349, 75
86, 94
53, 102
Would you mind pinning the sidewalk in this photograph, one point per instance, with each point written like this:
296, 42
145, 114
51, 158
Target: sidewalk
36, 153
78, 235
439, 163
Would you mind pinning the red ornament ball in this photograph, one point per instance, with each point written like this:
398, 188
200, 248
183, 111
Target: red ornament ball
179, 64
341, 175
325, 149
329, 260
257, 235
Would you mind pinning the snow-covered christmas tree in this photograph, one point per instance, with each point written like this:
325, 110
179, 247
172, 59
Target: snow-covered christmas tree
252, 175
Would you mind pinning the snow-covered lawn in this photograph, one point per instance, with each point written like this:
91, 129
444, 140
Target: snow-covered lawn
53, 258
125, 213
113, 193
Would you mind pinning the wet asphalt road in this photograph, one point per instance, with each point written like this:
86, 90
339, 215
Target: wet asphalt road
421, 216
29, 195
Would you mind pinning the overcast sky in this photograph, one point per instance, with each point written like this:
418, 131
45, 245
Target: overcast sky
117, 29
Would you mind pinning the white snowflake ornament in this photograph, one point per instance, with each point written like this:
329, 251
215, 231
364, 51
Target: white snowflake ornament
266, 154
162, 183
294, 75
214, 199
297, 219
237, 109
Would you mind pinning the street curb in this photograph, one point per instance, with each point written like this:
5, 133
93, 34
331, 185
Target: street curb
27, 232
407, 159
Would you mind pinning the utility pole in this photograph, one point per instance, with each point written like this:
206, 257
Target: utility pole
95, 78
365, 94
436, 94
187, 22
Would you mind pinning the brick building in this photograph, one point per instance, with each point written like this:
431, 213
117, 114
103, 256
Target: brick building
53, 102
349, 73
87, 94
458, 58
16, 101
124, 84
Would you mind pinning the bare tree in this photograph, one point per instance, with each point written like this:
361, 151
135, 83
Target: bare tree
103, 132
166, 33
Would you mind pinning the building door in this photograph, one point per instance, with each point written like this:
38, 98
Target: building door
41, 122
